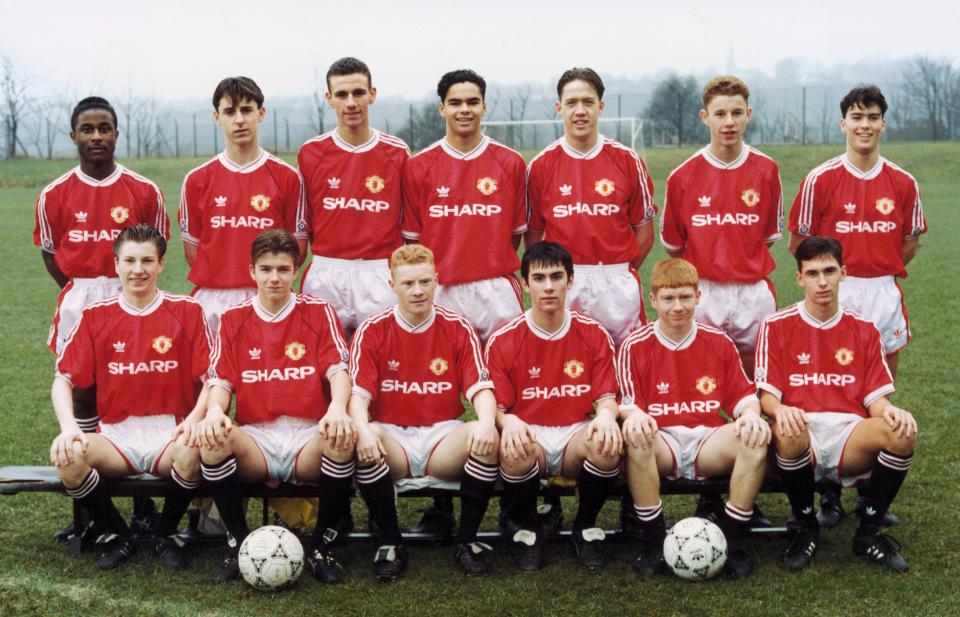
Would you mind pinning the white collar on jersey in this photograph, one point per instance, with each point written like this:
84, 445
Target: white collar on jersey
113, 177
409, 327
465, 156
816, 323
541, 333
574, 153
243, 169
280, 315
141, 312
737, 162
667, 342
365, 146
870, 174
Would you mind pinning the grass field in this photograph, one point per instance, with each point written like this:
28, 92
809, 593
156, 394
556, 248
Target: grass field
42, 580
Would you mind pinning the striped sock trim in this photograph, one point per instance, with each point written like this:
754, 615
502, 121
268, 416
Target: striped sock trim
336, 469
894, 461
485, 472
89, 425
792, 464
533, 473
219, 471
371, 473
86, 487
737, 514
183, 482
648, 513
603, 473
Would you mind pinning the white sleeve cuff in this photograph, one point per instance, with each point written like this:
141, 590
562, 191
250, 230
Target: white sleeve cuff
873, 396
762, 385
361, 392
334, 369
190, 239
410, 235
480, 385
222, 383
738, 408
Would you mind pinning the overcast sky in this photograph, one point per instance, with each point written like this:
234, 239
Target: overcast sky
180, 49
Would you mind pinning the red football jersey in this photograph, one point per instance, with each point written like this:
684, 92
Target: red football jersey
353, 195
414, 375
871, 213
552, 379
722, 215
836, 365
686, 383
276, 363
78, 218
144, 362
466, 208
589, 202
224, 206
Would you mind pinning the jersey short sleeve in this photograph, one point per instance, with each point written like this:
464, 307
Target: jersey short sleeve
499, 356
916, 221
521, 214
767, 370
295, 216
737, 387
774, 223
604, 378
202, 339
473, 372
77, 360
673, 233
877, 380
365, 360
189, 213
804, 214
630, 370
47, 230
411, 223
223, 369
333, 352
641, 207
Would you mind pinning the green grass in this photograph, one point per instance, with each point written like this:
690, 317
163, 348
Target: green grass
40, 579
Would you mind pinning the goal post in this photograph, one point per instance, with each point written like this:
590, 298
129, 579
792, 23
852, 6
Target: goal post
629, 130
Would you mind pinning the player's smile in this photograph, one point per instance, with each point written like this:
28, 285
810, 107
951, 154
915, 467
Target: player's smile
95, 136
138, 267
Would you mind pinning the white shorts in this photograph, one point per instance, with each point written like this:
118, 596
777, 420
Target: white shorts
613, 295
685, 443
356, 288
216, 301
736, 308
486, 304
553, 441
77, 295
141, 440
879, 300
829, 432
281, 441
419, 442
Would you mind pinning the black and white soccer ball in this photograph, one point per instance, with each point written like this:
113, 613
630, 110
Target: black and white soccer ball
270, 558
695, 549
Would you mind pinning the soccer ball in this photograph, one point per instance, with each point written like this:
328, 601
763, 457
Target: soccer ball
270, 558
695, 549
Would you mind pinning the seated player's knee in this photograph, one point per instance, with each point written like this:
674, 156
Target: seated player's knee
640, 454
215, 454
755, 456
601, 460
517, 466
898, 444
792, 446
187, 461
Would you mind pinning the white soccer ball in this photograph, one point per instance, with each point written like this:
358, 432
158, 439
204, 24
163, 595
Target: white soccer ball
270, 558
695, 549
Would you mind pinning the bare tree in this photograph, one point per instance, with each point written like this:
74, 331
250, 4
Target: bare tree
16, 102
674, 108
319, 100
929, 81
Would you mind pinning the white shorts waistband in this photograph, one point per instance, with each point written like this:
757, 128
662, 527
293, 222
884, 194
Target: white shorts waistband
366, 264
597, 268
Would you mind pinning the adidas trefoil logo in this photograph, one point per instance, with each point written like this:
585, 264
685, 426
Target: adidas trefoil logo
566, 190
850, 208
871, 511
220, 201
663, 387
704, 201
119, 346
81, 217
443, 191
334, 182
803, 358
534, 372
255, 353
808, 510
393, 365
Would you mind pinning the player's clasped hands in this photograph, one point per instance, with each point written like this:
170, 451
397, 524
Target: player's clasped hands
900, 420
187, 432
483, 439
515, 438
61, 450
640, 430
752, 430
338, 430
214, 429
370, 449
791, 421
605, 430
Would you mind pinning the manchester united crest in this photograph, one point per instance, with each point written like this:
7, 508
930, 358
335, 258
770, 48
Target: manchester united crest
487, 186
120, 214
706, 384
573, 368
294, 350
843, 356
750, 197
439, 366
885, 205
374, 184
259, 202
162, 344
604, 186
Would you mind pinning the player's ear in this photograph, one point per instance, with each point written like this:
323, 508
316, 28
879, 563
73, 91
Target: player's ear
252, 273
569, 282
328, 98
843, 272
703, 116
698, 294
261, 112
749, 113
372, 94
558, 107
601, 106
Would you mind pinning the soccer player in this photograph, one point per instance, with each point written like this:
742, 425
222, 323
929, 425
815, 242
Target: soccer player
551, 366
463, 197
410, 365
593, 195
352, 177
823, 378
722, 211
230, 199
676, 376
147, 351
78, 217
873, 208
274, 352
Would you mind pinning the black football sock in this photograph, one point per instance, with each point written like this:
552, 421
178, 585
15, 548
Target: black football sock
223, 482
89, 425
476, 488
796, 474
179, 495
888, 474
93, 494
734, 522
334, 487
520, 496
652, 526
377, 491
594, 484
